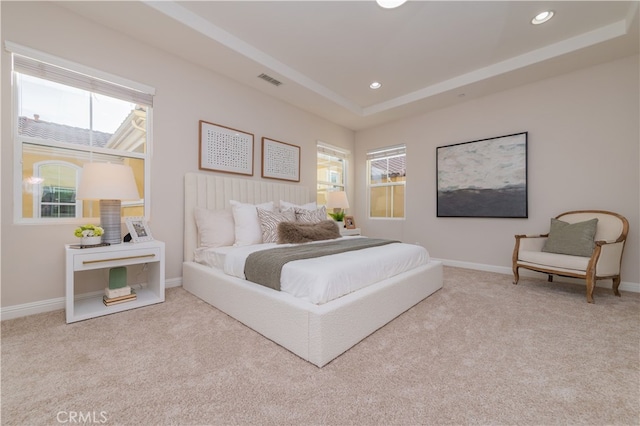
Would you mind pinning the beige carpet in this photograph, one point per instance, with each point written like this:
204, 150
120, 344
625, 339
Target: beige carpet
479, 351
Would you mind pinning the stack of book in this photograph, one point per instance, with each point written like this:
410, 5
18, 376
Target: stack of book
118, 295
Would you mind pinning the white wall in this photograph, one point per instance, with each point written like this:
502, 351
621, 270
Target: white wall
33, 255
583, 153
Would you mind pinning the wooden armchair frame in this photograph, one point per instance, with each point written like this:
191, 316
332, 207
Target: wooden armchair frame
605, 261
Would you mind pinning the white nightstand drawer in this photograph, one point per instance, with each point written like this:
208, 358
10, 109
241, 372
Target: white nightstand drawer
107, 259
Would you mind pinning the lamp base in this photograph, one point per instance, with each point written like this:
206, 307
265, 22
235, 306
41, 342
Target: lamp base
110, 221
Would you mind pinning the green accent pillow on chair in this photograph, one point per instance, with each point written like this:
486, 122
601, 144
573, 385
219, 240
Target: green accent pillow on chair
576, 239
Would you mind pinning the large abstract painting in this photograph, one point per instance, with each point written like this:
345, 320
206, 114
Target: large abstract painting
483, 178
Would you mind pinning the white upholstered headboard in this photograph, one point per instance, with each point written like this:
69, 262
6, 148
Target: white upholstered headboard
215, 192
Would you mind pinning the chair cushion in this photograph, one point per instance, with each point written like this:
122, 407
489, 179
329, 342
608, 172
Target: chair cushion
575, 239
554, 261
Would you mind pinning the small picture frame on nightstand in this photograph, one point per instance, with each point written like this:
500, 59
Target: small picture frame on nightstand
349, 222
139, 229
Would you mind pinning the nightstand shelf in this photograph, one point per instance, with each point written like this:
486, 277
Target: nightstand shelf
85, 306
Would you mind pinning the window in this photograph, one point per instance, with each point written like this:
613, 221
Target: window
66, 115
57, 181
332, 170
386, 179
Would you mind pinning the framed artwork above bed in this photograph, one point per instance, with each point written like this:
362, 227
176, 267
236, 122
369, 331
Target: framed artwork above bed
224, 149
280, 160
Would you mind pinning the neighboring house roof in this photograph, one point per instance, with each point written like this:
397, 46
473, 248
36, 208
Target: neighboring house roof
130, 136
36, 128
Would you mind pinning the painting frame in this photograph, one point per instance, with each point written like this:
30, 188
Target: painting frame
280, 160
225, 149
138, 229
485, 178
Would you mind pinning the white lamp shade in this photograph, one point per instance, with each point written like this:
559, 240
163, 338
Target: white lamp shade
107, 181
337, 200
390, 4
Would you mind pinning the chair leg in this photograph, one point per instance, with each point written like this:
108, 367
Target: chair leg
591, 282
616, 284
516, 275
550, 278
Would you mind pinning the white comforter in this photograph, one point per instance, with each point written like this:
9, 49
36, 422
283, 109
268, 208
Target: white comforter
322, 279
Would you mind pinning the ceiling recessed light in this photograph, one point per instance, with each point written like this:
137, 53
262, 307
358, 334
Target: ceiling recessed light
390, 4
375, 85
542, 17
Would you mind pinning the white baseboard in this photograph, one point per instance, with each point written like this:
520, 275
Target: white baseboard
173, 282
624, 285
17, 311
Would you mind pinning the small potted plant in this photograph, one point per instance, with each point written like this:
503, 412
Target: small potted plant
89, 234
338, 216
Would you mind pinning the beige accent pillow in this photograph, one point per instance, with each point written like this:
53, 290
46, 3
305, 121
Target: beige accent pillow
269, 223
215, 227
296, 233
247, 225
575, 239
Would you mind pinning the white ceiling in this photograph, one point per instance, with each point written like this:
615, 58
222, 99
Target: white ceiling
426, 54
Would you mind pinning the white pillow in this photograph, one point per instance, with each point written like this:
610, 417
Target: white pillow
215, 227
269, 223
285, 205
311, 216
247, 224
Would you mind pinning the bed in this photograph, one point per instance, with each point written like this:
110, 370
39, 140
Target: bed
317, 333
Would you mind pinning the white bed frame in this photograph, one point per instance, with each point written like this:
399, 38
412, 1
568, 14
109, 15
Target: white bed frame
316, 333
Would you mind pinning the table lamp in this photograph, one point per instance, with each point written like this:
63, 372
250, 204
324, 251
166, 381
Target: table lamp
337, 200
110, 183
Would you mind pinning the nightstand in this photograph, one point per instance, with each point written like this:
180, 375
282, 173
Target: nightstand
84, 306
349, 232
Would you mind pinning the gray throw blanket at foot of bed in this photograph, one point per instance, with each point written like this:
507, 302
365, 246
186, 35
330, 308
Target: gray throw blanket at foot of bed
264, 267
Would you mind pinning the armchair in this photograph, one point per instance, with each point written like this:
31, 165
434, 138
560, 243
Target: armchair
533, 252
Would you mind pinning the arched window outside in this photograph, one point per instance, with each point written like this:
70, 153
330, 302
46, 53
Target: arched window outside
57, 185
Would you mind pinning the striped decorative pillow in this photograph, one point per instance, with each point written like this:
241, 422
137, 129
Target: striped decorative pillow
311, 216
269, 223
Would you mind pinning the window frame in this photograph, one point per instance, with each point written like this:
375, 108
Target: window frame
145, 92
379, 154
337, 153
